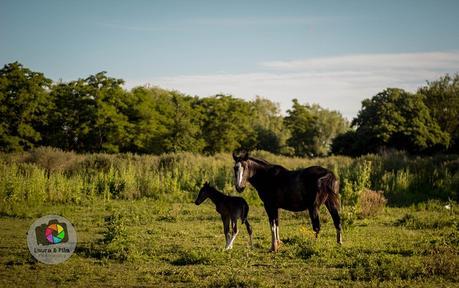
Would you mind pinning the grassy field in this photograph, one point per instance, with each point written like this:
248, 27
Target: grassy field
137, 225
150, 243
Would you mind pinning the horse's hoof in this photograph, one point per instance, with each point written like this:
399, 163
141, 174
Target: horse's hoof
339, 240
274, 249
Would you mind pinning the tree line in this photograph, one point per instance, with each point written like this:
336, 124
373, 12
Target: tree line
96, 114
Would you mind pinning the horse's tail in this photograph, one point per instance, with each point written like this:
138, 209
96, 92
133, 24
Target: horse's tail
329, 189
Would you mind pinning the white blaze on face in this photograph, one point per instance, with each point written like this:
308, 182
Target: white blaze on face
239, 173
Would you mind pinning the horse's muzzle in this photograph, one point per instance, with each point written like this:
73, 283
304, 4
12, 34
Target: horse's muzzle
240, 189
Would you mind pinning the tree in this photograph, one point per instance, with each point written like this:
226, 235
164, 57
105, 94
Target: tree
303, 128
346, 143
88, 115
271, 134
397, 119
146, 123
182, 131
329, 125
313, 129
226, 124
442, 99
24, 106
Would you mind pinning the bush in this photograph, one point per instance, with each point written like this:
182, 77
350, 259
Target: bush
48, 175
370, 203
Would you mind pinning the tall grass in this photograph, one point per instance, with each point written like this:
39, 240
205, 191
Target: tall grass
48, 175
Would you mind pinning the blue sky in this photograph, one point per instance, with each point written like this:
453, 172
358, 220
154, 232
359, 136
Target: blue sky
334, 53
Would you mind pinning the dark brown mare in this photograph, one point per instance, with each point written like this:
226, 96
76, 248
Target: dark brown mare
299, 190
230, 208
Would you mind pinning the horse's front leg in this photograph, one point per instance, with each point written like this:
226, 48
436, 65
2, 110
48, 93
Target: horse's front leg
273, 220
279, 242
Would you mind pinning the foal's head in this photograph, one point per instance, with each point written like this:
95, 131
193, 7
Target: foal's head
203, 194
241, 170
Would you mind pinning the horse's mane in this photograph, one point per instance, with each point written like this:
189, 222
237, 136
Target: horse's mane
260, 161
266, 163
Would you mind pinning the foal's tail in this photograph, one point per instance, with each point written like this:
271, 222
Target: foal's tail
329, 190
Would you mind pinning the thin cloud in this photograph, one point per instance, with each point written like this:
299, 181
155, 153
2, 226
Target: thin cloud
429, 60
139, 28
229, 22
261, 21
338, 83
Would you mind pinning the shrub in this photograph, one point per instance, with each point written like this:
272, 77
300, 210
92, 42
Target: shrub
51, 175
370, 203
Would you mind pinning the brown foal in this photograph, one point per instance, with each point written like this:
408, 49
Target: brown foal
230, 209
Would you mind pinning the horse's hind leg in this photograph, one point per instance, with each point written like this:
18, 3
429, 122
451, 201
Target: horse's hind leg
234, 227
314, 214
226, 229
336, 219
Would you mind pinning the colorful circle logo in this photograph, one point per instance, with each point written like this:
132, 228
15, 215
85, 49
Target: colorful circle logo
54, 233
51, 239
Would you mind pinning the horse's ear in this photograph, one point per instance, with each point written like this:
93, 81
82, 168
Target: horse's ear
245, 155
235, 156
206, 184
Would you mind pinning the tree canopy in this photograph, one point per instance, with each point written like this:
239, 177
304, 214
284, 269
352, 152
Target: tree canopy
393, 119
24, 106
97, 114
442, 99
313, 128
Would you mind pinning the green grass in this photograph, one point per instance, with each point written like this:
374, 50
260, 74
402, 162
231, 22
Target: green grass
137, 225
154, 243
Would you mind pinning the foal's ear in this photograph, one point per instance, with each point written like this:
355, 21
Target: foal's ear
206, 184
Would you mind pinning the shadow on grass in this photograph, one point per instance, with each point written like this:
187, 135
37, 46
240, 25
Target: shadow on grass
190, 258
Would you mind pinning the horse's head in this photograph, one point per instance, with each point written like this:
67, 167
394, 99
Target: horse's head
241, 170
203, 194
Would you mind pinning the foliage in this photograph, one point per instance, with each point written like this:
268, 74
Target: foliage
87, 115
271, 134
371, 203
394, 119
226, 125
24, 106
52, 176
329, 125
442, 98
346, 144
97, 115
304, 127
313, 128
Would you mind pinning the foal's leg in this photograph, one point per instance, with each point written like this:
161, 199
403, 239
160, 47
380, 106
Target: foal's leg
226, 229
234, 227
336, 219
314, 214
